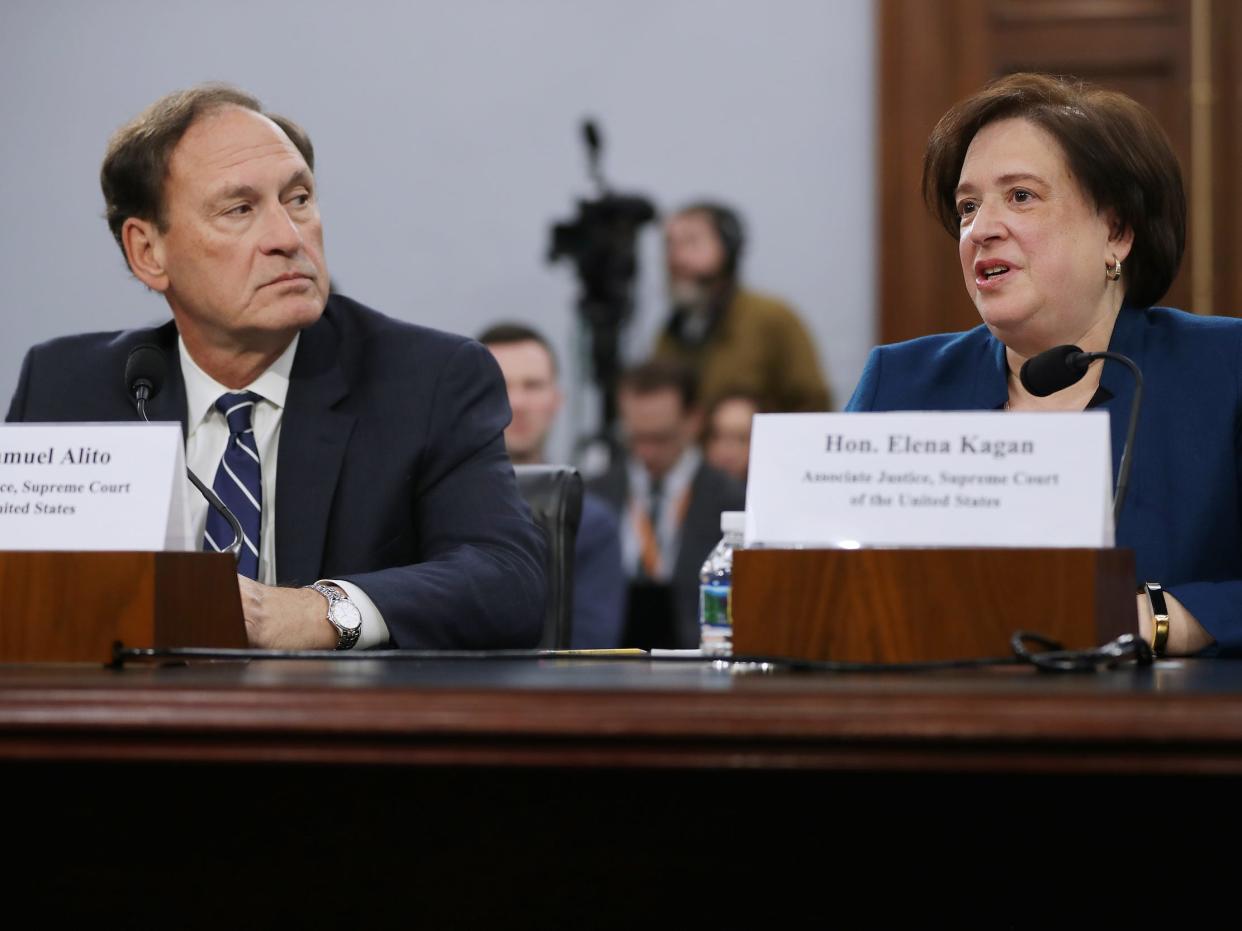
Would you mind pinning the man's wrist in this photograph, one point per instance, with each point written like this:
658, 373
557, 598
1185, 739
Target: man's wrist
341, 614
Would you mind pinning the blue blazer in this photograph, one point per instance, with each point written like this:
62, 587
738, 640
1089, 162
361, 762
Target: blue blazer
392, 471
1183, 512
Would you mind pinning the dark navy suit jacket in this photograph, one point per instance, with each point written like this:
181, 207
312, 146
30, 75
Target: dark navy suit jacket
1183, 513
599, 579
392, 471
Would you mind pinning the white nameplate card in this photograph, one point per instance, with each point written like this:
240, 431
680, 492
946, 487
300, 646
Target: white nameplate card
930, 479
93, 486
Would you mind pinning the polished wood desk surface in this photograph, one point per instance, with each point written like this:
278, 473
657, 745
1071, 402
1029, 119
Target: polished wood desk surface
1176, 717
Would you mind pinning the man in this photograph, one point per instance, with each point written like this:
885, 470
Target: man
669, 501
530, 372
361, 454
736, 340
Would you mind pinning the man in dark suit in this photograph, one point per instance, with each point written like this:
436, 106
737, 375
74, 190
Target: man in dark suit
670, 503
365, 456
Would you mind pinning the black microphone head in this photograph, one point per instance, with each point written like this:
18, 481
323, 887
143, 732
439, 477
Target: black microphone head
1054, 370
590, 133
147, 368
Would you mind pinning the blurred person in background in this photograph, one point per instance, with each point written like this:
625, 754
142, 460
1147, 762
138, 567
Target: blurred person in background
669, 500
530, 371
734, 339
726, 444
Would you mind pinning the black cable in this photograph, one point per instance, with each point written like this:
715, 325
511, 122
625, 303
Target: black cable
1056, 659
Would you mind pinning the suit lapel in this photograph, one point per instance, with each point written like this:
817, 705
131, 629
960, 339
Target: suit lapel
313, 438
1118, 381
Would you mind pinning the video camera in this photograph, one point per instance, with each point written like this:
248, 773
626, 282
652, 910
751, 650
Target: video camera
602, 242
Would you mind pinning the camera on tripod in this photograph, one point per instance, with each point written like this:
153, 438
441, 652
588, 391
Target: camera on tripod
602, 242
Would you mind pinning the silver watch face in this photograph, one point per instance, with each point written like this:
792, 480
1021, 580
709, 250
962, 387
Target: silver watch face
345, 614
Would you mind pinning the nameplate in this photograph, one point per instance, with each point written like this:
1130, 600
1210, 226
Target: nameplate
930, 479
93, 487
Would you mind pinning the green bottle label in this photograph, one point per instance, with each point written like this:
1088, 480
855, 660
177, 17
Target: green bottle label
716, 605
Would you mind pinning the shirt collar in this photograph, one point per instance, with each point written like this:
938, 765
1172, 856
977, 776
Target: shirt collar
201, 390
677, 478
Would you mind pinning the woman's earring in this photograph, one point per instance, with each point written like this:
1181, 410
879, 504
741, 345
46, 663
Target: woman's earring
1113, 272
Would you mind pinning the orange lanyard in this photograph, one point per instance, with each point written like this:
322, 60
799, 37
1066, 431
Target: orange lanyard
649, 555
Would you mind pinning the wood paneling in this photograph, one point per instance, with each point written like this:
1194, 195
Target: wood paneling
928, 604
1225, 96
70, 607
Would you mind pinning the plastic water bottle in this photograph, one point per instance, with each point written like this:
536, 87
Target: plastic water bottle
716, 588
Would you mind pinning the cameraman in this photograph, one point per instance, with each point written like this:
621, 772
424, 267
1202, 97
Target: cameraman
736, 340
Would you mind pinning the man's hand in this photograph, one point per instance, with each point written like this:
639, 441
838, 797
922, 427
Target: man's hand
286, 618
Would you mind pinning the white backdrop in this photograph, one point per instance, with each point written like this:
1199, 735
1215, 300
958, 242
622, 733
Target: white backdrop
446, 136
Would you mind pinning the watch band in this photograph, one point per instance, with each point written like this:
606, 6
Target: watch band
1160, 613
346, 636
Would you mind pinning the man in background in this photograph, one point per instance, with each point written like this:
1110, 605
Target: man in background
669, 500
737, 341
530, 371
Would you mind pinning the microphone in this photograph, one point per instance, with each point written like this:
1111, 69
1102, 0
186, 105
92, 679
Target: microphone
145, 372
1054, 370
1058, 368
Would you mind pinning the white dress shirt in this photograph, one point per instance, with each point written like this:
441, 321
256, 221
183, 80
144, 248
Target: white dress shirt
207, 436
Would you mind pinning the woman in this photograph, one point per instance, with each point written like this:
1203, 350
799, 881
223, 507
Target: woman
727, 444
1068, 206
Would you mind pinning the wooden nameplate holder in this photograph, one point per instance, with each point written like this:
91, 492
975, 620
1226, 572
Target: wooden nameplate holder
72, 607
918, 605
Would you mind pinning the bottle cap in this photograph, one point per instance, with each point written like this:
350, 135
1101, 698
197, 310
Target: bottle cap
732, 521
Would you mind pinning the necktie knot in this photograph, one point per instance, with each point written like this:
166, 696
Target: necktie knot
238, 409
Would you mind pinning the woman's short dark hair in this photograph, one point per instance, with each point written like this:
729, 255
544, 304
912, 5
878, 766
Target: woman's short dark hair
1114, 147
136, 163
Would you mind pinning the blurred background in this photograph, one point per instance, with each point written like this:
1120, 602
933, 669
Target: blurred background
448, 142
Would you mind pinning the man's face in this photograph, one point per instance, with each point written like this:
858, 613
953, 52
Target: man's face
658, 429
242, 255
531, 381
695, 257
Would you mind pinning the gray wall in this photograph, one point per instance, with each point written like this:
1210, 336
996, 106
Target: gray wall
446, 137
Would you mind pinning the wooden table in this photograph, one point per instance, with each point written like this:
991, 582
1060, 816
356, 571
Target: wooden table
487, 785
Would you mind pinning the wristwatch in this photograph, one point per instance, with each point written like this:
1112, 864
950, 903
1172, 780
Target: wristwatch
343, 614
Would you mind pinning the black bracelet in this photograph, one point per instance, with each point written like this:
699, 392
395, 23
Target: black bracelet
1160, 612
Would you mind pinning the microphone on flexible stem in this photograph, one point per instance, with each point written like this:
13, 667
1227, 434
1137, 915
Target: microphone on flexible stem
1062, 366
145, 372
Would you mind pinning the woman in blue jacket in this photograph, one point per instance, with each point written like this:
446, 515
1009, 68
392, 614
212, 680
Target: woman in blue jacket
1068, 206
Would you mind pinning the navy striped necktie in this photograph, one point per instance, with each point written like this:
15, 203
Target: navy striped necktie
239, 483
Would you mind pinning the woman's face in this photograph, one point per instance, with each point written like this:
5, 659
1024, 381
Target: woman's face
1033, 247
728, 437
